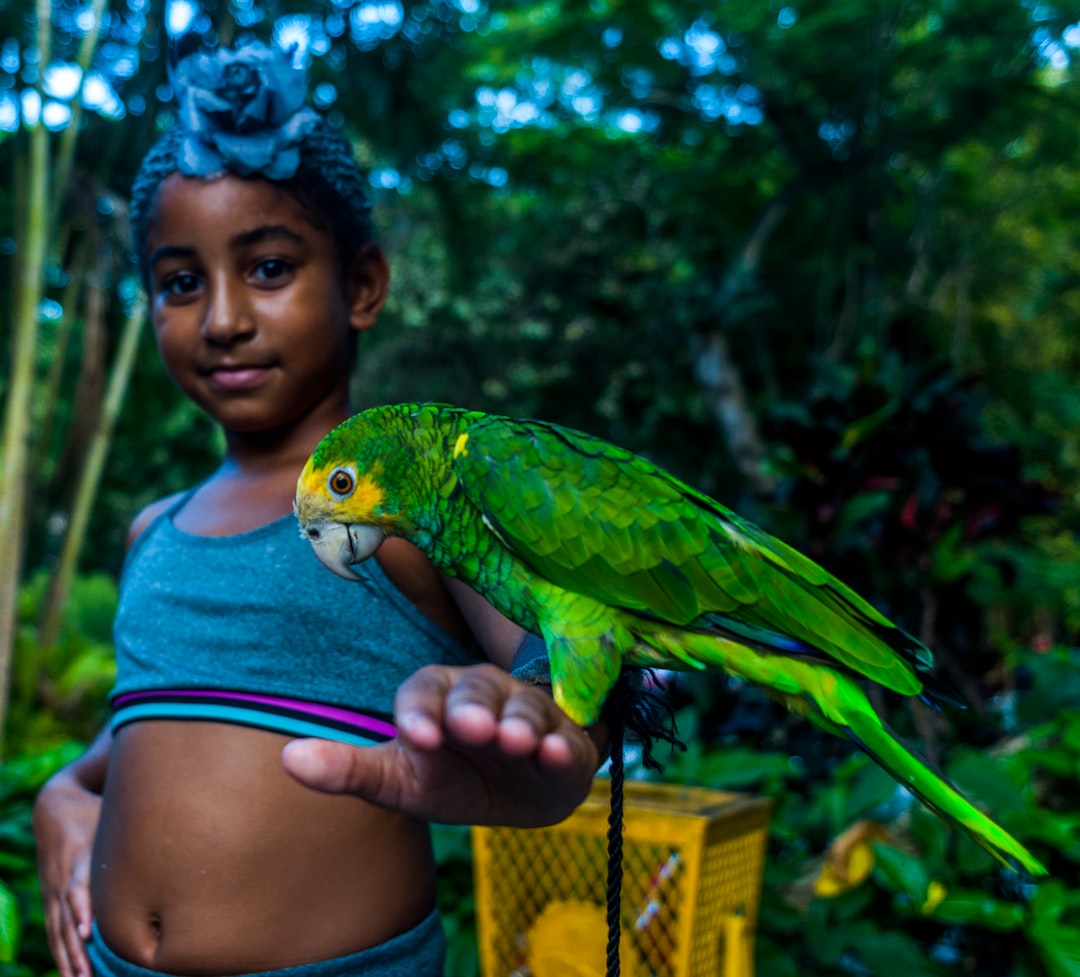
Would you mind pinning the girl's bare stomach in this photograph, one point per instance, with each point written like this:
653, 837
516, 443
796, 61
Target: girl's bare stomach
210, 859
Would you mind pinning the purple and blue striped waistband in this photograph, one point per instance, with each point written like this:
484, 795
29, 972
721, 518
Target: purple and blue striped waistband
293, 717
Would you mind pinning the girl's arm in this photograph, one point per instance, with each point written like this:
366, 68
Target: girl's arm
500, 637
65, 821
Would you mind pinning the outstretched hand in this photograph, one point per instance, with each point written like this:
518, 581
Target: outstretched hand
474, 746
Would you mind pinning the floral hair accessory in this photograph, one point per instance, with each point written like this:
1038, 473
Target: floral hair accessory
242, 111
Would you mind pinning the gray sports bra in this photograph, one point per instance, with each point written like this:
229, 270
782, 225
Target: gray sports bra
252, 629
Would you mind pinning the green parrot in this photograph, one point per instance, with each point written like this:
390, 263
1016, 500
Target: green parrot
613, 562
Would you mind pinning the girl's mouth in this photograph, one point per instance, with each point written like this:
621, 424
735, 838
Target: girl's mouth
238, 377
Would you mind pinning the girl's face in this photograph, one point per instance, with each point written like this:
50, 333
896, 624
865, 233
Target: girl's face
252, 318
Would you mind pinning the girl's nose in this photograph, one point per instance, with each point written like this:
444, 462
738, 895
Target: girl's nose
228, 317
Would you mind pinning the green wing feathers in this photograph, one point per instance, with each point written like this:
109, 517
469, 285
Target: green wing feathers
606, 523
698, 587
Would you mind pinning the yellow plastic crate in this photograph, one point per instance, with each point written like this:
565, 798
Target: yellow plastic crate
692, 864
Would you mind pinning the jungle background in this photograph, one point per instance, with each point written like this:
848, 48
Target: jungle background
820, 259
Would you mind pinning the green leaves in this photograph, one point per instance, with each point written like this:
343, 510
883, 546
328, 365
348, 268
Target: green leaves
970, 907
735, 768
904, 873
10, 925
1055, 928
22, 933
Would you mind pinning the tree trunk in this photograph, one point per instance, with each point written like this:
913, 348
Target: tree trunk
715, 370
725, 395
16, 450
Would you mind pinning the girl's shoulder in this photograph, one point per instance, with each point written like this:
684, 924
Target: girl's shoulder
143, 520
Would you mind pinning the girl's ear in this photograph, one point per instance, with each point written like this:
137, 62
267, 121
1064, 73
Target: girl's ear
367, 286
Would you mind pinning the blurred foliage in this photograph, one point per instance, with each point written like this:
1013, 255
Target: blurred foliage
874, 206
457, 903
889, 476
23, 950
58, 691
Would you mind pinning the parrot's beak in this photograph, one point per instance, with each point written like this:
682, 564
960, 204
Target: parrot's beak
338, 546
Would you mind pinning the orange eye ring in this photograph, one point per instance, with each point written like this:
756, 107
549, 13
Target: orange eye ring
341, 482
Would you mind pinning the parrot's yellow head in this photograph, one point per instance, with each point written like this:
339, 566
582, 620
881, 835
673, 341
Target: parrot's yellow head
340, 513
365, 481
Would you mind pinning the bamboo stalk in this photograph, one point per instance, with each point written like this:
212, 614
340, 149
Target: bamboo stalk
20, 152
17, 432
90, 477
66, 152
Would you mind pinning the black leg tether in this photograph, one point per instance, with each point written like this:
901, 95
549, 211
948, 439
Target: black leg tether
629, 706
615, 840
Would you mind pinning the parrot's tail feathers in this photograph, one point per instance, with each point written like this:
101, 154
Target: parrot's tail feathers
934, 791
838, 626
935, 689
938, 688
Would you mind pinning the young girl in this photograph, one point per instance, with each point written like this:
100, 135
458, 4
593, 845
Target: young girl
189, 838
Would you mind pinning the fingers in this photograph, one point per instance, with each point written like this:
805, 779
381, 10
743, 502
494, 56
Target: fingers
67, 924
75, 950
476, 706
54, 929
420, 707
78, 898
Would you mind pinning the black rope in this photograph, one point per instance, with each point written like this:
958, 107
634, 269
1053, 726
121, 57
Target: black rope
630, 707
615, 840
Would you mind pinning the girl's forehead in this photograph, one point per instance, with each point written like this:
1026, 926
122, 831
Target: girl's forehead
229, 203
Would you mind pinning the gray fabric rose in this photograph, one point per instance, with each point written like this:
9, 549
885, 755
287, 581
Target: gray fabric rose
241, 111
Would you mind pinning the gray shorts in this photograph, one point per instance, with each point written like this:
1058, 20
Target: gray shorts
419, 952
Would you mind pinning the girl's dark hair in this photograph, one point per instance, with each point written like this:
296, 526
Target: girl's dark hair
328, 184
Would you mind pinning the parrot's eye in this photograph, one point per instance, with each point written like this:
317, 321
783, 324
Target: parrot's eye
341, 482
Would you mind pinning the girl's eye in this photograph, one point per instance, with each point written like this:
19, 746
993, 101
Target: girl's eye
182, 283
272, 269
